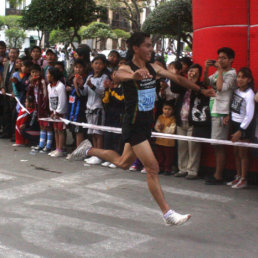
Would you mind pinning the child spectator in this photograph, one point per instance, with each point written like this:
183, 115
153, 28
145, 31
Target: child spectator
38, 90
94, 90
51, 58
61, 67
20, 80
25, 124
114, 108
58, 107
77, 102
35, 54
113, 60
122, 61
242, 114
166, 123
17, 76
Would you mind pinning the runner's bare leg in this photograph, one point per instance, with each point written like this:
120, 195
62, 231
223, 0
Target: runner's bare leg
124, 161
144, 152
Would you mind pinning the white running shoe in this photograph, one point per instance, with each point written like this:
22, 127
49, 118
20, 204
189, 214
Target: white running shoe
52, 152
176, 219
112, 165
105, 164
18, 145
133, 168
143, 171
235, 181
57, 154
88, 159
94, 161
242, 183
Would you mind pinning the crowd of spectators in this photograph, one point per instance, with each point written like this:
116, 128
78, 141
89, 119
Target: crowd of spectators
91, 93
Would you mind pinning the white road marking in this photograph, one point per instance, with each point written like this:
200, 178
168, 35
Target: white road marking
4, 177
113, 183
8, 252
39, 228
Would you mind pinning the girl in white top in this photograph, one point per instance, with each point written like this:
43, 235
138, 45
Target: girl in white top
58, 107
242, 114
94, 90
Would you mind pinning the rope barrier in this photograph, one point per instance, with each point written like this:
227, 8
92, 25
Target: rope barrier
156, 135
18, 101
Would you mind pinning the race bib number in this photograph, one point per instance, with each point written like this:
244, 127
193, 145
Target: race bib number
71, 99
54, 102
236, 103
146, 99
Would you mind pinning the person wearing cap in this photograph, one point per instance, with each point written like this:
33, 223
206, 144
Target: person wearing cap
51, 58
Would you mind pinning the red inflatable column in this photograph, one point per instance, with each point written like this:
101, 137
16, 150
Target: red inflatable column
254, 39
217, 24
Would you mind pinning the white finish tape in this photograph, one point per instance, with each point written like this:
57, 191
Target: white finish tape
154, 134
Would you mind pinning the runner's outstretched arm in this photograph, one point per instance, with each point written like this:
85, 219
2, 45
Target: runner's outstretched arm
183, 81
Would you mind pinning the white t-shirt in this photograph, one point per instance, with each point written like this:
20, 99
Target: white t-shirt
242, 107
57, 98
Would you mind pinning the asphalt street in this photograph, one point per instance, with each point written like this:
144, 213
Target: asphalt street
50, 207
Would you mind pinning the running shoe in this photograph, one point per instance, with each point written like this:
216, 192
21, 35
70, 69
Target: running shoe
176, 219
235, 181
105, 164
242, 183
112, 165
45, 150
18, 145
94, 161
37, 148
57, 154
88, 159
51, 152
143, 171
133, 168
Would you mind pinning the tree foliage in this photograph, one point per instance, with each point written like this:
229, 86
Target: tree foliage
164, 19
98, 30
121, 34
50, 15
14, 33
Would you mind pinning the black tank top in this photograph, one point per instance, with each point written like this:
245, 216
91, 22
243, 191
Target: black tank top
140, 97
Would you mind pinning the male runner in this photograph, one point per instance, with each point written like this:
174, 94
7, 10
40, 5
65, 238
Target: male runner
138, 78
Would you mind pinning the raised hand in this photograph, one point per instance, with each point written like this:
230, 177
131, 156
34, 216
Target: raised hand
141, 74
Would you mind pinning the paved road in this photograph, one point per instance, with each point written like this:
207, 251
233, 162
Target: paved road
56, 208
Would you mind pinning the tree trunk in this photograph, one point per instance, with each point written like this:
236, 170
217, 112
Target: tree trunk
47, 33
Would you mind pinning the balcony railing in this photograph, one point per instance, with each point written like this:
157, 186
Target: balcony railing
12, 11
119, 24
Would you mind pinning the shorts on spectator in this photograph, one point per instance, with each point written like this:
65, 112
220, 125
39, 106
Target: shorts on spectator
247, 134
44, 123
59, 126
95, 117
219, 131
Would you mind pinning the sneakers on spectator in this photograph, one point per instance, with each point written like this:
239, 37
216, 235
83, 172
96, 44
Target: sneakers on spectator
111, 165
52, 152
94, 161
105, 164
18, 145
176, 218
57, 154
143, 171
235, 181
181, 174
37, 148
45, 150
133, 168
242, 183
